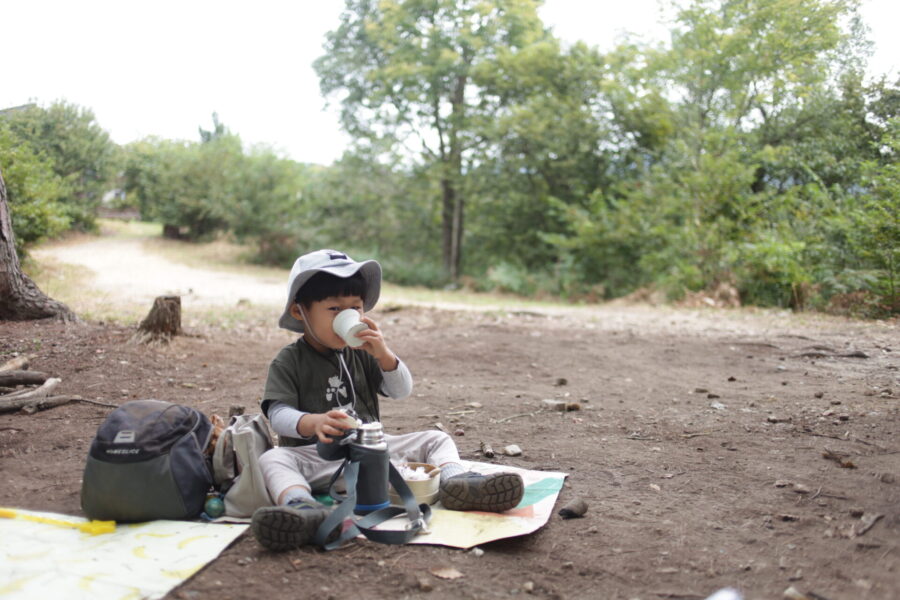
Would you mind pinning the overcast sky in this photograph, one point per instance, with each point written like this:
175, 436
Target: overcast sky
163, 67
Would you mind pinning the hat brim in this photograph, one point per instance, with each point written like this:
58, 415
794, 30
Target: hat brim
371, 274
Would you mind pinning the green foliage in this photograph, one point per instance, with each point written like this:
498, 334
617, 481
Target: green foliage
33, 191
546, 152
79, 150
379, 209
406, 70
750, 151
876, 219
205, 188
190, 187
267, 206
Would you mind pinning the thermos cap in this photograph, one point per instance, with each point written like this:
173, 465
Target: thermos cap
370, 434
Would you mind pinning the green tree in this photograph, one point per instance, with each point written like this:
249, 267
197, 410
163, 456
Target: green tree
151, 174
189, 187
405, 71
544, 135
719, 136
33, 189
380, 208
80, 151
877, 218
266, 206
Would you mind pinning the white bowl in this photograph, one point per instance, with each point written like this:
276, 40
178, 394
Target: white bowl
425, 490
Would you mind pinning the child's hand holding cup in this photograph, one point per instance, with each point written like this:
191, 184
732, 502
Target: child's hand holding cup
347, 324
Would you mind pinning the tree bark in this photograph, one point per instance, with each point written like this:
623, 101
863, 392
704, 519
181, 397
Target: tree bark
20, 298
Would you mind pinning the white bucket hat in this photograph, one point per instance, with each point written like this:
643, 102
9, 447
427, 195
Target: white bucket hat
339, 265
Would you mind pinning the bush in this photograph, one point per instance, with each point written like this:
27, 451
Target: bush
34, 191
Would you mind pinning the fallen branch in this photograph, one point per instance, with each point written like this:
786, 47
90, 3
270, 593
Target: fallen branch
840, 458
865, 524
97, 402
487, 451
511, 417
48, 402
820, 354
18, 401
639, 438
13, 378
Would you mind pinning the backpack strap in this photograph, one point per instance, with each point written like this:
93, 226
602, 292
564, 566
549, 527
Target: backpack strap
418, 514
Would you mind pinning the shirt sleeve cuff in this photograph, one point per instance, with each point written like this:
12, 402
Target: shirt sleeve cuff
284, 420
397, 383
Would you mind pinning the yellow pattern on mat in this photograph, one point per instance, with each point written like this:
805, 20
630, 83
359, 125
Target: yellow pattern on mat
140, 560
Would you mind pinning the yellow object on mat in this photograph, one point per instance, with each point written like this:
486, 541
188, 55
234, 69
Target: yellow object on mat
68, 560
91, 527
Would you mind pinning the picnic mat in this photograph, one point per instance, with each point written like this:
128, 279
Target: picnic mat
138, 561
146, 560
467, 529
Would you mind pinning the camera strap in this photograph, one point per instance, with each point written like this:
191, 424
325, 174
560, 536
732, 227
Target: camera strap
418, 514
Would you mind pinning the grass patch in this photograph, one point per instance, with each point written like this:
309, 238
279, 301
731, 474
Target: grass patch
128, 229
71, 284
220, 254
488, 300
216, 255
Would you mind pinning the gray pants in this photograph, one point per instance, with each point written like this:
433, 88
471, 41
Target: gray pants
289, 466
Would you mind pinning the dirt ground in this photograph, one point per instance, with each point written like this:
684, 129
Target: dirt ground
699, 448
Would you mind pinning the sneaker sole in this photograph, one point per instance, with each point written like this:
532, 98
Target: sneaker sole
497, 492
281, 528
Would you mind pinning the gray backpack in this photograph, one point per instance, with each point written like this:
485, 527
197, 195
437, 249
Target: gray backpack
236, 464
147, 462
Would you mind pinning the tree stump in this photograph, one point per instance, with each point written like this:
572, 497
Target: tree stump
164, 320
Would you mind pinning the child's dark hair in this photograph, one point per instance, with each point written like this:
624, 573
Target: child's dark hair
325, 285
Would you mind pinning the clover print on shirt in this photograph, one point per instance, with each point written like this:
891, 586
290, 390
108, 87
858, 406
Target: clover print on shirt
336, 391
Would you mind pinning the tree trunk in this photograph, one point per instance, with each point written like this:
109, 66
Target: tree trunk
172, 232
447, 209
20, 298
456, 248
164, 320
452, 205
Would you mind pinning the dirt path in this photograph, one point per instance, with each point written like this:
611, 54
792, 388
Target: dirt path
700, 446
124, 269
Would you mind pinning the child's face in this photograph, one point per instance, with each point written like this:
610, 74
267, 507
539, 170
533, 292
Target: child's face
319, 316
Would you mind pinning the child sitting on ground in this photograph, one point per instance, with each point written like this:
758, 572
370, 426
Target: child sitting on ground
314, 383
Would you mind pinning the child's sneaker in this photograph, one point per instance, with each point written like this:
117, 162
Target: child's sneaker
496, 492
280, 528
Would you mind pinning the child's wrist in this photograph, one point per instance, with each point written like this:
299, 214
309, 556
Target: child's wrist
388, 361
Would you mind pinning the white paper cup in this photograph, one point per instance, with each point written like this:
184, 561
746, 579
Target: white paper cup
347, 324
